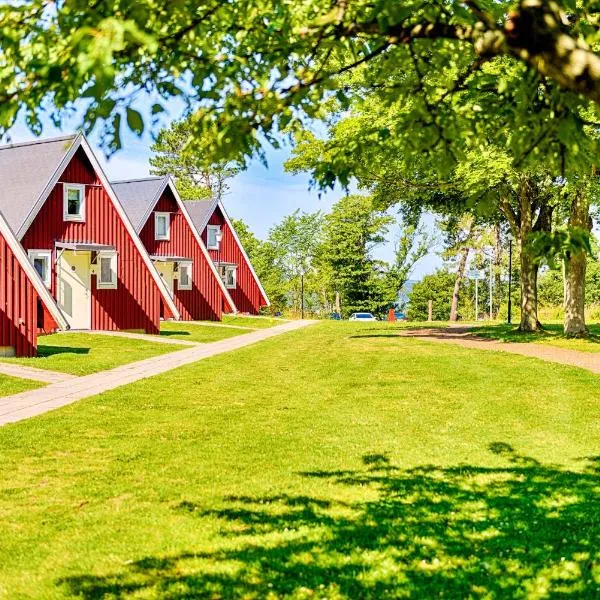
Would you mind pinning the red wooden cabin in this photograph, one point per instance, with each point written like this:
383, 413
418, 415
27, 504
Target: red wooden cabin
57, 200
160, 218
228, 254
25, 303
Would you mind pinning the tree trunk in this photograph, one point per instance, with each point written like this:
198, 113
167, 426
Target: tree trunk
529, 320
574, 272
497, 260
460, 275
529, 269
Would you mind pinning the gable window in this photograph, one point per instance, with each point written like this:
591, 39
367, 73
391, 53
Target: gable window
162, 226
185, 276
107, 271
213, 234
229, 276
73, 202
41, 261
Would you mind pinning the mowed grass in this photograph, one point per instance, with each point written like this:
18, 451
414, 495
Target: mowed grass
204, 334
84, 353
552, 334
338, 461
254, 322
12, 385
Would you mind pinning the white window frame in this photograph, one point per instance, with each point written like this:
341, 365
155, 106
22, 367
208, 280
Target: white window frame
223, 270
167, 217
188, 266
80, 218
46, 254
107, 285
217, 230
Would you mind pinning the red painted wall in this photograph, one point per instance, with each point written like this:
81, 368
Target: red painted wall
247, 296
18, 305
135, 304
205, 299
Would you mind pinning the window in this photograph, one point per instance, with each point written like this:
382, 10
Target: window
107, 270
229, 276
185, 276
162, 226
212, 237
74, 202
41, 261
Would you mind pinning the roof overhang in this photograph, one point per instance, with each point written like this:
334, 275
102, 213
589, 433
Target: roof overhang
84, 247
225, 264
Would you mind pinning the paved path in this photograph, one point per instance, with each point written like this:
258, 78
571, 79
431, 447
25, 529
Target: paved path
462, 336
161, 339
16, 370
28, 404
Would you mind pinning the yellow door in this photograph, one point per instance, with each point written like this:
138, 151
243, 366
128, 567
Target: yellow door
165, 270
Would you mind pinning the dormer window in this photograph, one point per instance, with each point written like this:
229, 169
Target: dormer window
73, 202
162, 226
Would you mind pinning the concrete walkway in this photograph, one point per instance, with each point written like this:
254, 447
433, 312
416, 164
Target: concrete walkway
29, 404
462, 336
23, 372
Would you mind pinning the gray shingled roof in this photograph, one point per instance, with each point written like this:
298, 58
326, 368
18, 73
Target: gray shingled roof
25, 170
200, 212
136, 196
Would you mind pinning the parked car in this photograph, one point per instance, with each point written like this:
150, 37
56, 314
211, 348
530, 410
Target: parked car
400, 316
362, 316
335, 316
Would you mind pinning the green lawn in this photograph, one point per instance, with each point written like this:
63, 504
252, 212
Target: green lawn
198, 333
254, 322
339, 461
552, 334
83, 353
12, 385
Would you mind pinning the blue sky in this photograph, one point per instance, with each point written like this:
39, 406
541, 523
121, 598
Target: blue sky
260, 196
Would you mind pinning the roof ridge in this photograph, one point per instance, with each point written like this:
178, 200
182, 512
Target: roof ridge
61, 138
151, 178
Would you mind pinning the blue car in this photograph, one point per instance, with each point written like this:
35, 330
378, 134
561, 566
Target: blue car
334, 316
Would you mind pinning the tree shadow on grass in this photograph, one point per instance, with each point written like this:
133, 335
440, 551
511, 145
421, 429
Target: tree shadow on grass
522, 530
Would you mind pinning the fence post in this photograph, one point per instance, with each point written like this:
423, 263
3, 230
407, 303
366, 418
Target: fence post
430, 311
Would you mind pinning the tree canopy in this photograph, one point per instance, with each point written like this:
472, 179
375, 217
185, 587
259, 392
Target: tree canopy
248, 69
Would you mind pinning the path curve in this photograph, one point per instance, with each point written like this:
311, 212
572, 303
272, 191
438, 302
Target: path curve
29, 404
464, 337
24, 372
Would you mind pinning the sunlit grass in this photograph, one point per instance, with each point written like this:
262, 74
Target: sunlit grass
84, 353
190, 332
551, 334
12, 385
339, 461
254, 322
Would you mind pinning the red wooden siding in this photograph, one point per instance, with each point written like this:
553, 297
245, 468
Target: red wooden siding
247, 296
135, 304
205, 299
19, 305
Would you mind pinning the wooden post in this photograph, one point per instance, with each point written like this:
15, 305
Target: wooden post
430, 312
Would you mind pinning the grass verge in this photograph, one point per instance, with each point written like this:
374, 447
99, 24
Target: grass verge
12, 385
552, 334
339, 461
204, 334
254, 322
84, 353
